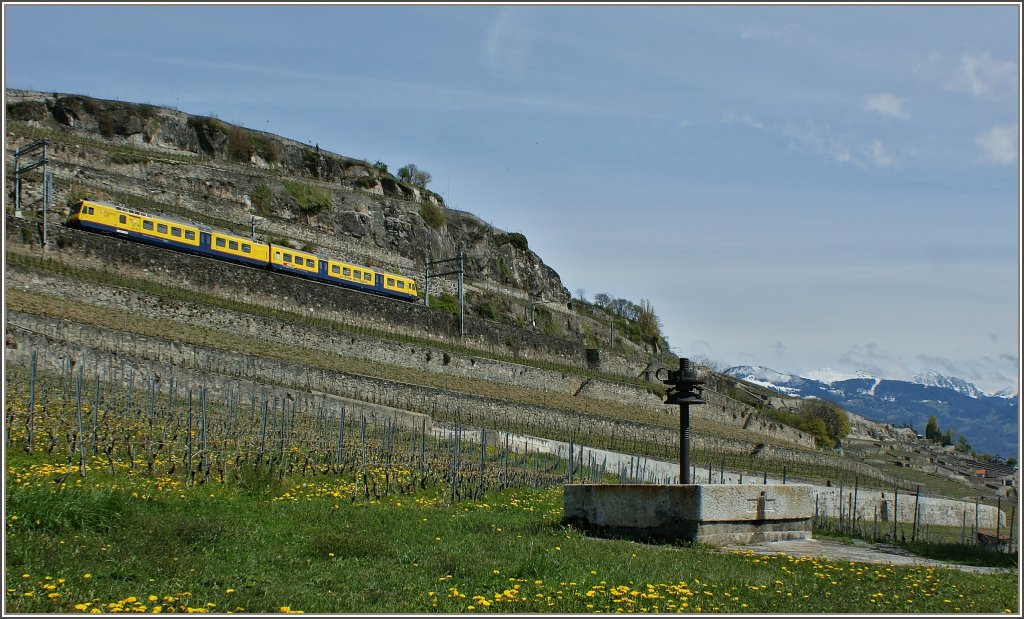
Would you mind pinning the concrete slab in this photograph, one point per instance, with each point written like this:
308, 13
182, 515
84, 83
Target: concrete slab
716, 514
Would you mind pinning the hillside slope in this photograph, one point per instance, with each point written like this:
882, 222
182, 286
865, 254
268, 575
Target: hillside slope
223, 175
109, 301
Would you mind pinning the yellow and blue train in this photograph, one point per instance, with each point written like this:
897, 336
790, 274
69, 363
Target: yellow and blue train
202, 240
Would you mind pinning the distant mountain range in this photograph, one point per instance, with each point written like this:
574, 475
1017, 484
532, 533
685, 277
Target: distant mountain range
989, 422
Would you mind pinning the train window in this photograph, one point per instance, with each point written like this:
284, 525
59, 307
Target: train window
161, 228
288, 258
147, 225
335, 269
348, 272
233, 245
122, 219
220, 242
358, 274
401, 285
190, 235
391, 281
367, 277
277, 255
91, 210
246, 248
175, 231
311, 263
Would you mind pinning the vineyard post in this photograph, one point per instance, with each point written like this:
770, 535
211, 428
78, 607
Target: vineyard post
263, 432
78, 414
1013, 518
31, 402
483, 453
976, 526
188, 437
856, 483
569, 463
341, 435
999, 512
963, 524
917, 499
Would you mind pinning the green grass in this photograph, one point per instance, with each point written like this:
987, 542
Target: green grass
127, 541
311, 200
962, 554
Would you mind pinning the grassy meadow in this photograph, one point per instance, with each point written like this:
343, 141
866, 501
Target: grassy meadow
131, 542
123, 498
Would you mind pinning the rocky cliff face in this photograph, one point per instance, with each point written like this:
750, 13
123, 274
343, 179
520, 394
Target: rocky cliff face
321, 200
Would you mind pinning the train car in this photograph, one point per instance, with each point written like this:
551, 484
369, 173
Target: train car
398, 286
236, 248
167, 232
135, 225
306, 264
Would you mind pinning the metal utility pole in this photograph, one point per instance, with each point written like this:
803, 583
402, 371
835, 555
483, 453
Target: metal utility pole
684, 389
461, 258
47, 178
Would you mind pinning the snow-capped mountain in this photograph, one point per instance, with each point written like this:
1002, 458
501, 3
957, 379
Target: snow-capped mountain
1009, 392
990, 423
934, 379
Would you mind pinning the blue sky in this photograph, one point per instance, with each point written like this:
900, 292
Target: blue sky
798, 187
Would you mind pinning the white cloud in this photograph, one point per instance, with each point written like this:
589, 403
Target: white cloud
742, 118
887, 105
508, 42
878, 155
841, 148
1000, 144
983, 76
759, 33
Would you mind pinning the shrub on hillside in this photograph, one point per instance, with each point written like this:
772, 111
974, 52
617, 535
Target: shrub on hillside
311, 200
432, 215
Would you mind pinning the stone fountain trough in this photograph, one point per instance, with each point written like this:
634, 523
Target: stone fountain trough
714, 514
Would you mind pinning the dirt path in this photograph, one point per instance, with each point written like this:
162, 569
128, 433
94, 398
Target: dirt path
859, 551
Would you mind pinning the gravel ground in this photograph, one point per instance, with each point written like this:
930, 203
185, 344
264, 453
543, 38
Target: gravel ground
859, 551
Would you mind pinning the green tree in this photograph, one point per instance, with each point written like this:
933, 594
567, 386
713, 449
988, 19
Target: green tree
834, 418
414, 176
962, 445
816, 428
931, 429
648, 323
